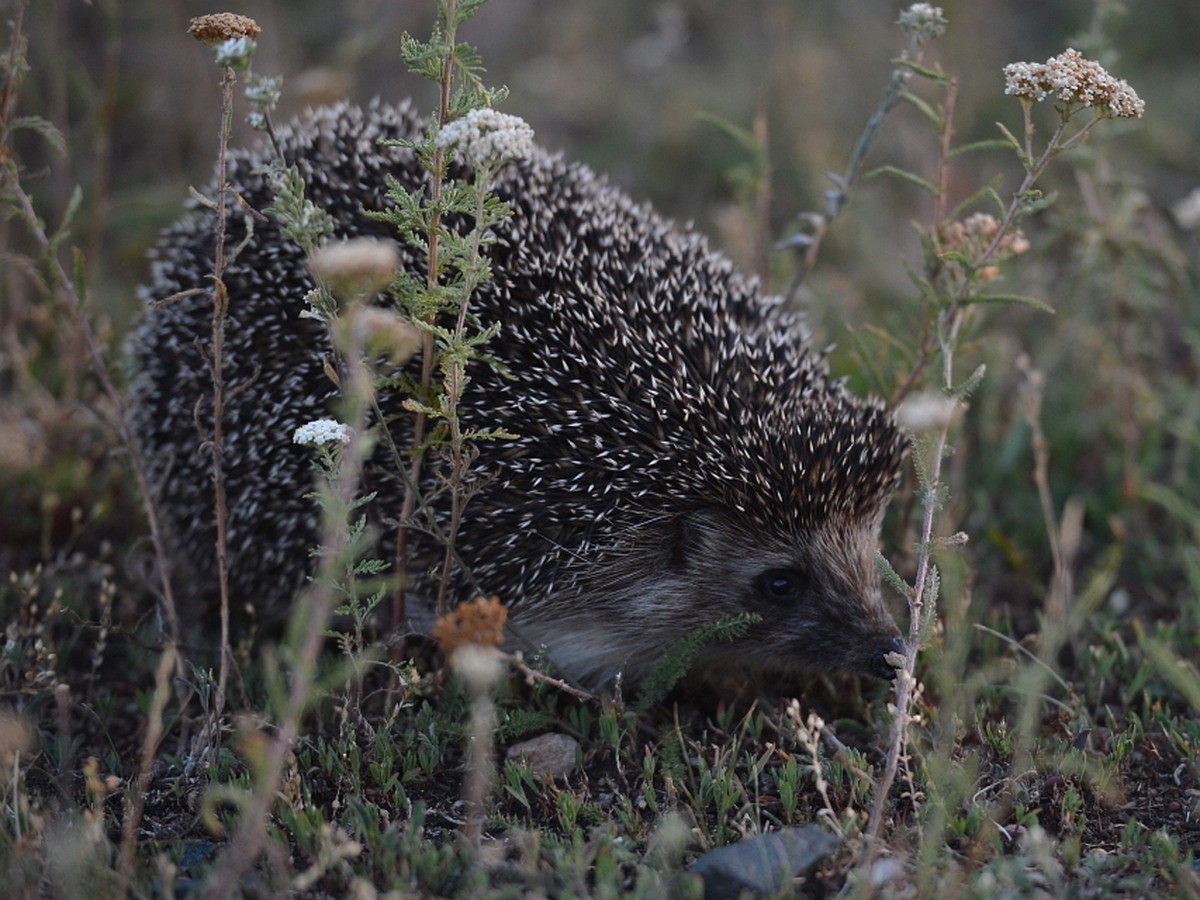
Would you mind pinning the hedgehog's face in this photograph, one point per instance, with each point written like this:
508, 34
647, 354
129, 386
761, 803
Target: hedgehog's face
817, 596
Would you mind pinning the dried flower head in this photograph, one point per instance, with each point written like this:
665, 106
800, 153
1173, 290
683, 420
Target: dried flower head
1073, 78
16, 737
925, 412
485, 135
479, 667
923, 20
974, 234
357, 268
321, 432
480, 622
217, 28
382, 332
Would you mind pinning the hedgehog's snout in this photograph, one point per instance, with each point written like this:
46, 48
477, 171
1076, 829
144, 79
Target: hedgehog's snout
879, 665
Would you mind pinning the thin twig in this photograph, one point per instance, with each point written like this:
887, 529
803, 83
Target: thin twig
216, 445
136, 797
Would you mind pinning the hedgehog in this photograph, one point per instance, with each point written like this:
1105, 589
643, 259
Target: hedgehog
681, 454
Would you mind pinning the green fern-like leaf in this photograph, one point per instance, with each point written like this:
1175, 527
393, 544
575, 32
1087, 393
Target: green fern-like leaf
680, 655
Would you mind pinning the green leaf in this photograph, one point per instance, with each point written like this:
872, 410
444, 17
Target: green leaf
929, 600
43, 128
969, 384
743, 137
1175, 504
678, 659
989, 190
64, 228
934, 117
465, 9
891, 577
423, 58
490, 434
79, 274
892, 341
976, 146
904, 175
1015, 299
1011, 140
1179, 673
866, 362
1035, 201
921, 446
932, 74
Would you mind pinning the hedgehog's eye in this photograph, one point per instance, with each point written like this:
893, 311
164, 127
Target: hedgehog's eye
780, 585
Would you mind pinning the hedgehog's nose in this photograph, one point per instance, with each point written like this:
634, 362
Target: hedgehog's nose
879, 666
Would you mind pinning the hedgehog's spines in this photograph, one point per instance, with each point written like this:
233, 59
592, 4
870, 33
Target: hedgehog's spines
652, 379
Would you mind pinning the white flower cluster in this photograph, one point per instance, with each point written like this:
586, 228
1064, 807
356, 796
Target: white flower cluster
235, 53
924, 20
1073, 78
320, 432
485, 135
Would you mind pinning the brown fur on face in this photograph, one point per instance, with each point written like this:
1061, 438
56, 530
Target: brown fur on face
817, 594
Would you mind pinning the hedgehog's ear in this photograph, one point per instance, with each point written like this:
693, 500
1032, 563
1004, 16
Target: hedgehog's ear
686, 537
681, 538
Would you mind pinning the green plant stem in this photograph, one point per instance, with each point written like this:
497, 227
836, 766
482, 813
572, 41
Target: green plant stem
1034, 169
892, 95
251, 835
946, 337
454, 392
836, 199
905, 678
412, 485
944, 340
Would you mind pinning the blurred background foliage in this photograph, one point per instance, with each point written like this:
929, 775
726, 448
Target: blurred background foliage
625, 86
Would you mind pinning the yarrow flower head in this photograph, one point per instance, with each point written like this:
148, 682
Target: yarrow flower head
972, 235
485, 135
230, 36
218, 27
322, 432
923, 20
1073, 78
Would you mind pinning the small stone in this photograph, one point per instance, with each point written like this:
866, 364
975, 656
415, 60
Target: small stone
762, 866
550, 754
885, 870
